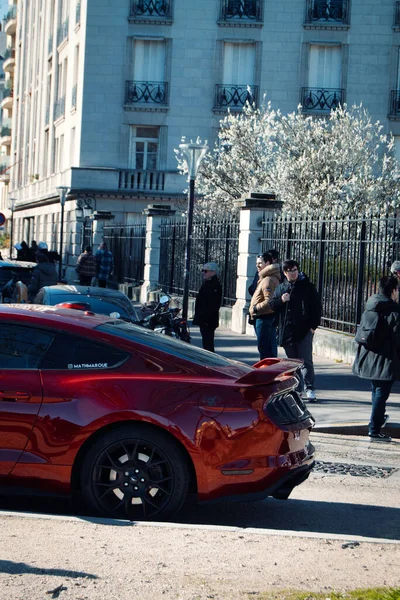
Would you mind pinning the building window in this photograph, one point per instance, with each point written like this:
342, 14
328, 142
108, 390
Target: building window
394, 109
148, 85
324, 91
241, 10
238, 76
327, 12
144, 148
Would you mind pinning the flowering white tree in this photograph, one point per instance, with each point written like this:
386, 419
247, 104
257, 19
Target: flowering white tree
341, 163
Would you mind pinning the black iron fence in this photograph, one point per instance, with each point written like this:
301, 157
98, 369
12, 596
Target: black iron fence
127, 243
211, 242
345, 258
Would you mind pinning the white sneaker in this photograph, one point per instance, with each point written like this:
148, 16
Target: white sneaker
311, 397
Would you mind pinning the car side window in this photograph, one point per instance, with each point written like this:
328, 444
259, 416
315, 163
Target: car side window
22, 347
77, 354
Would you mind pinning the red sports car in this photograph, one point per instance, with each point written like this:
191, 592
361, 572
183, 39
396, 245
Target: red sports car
133, 422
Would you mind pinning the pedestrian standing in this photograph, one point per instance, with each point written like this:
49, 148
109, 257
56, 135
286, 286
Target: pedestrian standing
86, 266
395, 269
382, 363
298, 309
43, 274
208, 303
105, 264
261, 313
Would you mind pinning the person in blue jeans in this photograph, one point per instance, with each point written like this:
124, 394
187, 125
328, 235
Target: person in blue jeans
381, 365
261, 314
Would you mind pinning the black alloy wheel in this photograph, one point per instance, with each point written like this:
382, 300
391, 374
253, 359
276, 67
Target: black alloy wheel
135, 473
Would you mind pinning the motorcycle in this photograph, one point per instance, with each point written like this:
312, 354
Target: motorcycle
166, 320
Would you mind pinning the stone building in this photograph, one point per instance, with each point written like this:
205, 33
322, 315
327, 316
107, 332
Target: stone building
98, 93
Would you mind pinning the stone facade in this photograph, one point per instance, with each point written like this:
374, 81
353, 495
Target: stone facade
77, 120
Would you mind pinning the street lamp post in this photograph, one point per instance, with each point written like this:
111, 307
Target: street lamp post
11, 207
193, 155
63, 193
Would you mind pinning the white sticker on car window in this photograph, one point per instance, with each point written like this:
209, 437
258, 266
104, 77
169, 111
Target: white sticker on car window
88, 366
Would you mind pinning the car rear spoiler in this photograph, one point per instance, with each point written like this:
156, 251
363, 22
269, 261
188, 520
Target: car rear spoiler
268, 369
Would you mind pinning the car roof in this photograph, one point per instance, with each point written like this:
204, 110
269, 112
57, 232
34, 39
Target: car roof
40, 314
84, 289
21, 264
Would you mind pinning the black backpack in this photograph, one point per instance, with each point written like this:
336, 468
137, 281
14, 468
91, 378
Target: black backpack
371, 331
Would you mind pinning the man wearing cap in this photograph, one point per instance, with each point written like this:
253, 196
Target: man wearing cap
208, 303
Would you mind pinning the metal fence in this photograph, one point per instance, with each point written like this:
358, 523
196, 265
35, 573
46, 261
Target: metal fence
345, 258
127, 243
217, 242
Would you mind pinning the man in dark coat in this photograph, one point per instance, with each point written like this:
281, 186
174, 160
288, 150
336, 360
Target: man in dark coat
381, 365
208, 303
43, 274
298, 309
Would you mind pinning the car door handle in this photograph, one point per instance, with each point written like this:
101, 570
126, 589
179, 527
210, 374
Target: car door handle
12, 396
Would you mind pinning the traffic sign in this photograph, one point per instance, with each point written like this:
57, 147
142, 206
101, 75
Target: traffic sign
2, 219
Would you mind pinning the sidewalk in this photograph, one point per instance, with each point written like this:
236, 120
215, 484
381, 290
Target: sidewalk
344, 401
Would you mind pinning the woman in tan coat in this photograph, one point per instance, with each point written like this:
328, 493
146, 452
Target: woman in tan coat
260, 311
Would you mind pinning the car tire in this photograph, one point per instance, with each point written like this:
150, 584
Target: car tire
135, 472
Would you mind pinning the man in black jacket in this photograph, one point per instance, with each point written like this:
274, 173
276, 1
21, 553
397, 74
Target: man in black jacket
298, 309
208, 303
382, 364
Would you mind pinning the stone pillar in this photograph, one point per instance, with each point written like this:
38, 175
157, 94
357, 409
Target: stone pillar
252, 211
154, 215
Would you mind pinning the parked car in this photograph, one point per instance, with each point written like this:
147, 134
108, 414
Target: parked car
22, 269
133, 422
99, 300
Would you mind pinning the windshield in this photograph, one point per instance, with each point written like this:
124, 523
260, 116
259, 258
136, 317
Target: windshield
97, 305
164, 343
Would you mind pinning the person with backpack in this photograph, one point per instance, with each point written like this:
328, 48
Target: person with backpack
378, 353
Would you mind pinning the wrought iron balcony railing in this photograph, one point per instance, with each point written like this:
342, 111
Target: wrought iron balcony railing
323, 11
321, 98
78, 13
62, 32
12, 13
74, 96
59, 108
5, 132
397, 14
8, 91
394, 109
9, 53
146, 92
241, 10
142, 180
234, 96
151, 8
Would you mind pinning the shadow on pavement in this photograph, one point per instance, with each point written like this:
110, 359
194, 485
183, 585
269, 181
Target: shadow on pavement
311, 516
300, 515
20, 568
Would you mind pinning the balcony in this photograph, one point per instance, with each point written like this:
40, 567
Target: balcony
9, 60
234, 96
62, 32
5, 133
59, 108
152, 181
394, 108
241, 13
327, 14
8, 96
11, 21
321, 99
78, 13
151, 11
146, 93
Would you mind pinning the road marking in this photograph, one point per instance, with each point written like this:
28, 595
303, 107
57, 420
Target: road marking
234, 529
